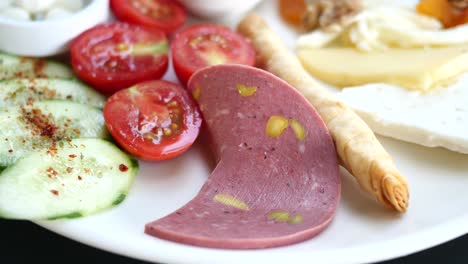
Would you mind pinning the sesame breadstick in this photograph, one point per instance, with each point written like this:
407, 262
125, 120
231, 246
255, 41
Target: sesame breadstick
359, 150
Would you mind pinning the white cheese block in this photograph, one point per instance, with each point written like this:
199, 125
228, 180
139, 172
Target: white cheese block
434, 119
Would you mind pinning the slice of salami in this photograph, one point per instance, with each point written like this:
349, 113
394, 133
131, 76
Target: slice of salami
276, 181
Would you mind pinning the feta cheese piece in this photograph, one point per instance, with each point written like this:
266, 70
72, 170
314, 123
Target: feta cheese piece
434, 119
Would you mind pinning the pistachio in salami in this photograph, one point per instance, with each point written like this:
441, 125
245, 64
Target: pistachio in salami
245, 90
275, 126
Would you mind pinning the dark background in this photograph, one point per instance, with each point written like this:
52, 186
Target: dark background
23, 241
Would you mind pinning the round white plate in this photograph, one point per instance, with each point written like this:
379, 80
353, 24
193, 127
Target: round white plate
362, 231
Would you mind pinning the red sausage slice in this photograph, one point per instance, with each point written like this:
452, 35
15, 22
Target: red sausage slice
276, 181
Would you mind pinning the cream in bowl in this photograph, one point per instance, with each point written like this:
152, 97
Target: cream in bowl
36, 10
45, 27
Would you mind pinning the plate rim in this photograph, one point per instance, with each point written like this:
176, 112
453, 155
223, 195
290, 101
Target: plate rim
380, 251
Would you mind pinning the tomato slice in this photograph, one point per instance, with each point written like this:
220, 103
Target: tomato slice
114, 56
167, 15
154, 120
199, 46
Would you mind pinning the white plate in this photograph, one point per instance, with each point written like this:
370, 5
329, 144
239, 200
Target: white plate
362, 231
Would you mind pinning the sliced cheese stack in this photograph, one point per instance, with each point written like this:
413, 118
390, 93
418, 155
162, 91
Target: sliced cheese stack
414, 69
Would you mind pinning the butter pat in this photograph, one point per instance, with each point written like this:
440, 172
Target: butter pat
438, 118
414, 69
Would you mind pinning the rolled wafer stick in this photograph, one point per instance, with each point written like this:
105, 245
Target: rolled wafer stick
359, 150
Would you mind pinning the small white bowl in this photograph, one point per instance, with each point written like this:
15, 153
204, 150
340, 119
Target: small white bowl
50, 37
219, 9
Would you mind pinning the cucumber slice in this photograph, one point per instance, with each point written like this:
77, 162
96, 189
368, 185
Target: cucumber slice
80, 177
41, 124
22, 91
20, 67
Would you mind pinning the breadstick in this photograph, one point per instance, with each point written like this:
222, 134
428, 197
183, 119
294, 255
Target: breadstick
358, 149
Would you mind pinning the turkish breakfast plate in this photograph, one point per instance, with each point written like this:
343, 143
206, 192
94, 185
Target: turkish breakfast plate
244, 192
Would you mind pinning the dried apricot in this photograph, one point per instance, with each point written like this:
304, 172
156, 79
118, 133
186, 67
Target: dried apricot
292, 11
443, 11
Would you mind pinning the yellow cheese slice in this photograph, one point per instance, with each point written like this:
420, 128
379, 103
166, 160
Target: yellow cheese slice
414, 69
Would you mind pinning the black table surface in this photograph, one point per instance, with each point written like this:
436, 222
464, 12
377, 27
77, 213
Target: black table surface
23, 240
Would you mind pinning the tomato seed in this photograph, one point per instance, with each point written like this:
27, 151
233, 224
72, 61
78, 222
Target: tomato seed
175, 111
112, 64
167, 131
148, 136
122, 47
172, 104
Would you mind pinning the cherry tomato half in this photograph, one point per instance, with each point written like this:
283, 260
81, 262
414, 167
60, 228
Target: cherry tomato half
154, 120
117, 55
203, 45
167, 15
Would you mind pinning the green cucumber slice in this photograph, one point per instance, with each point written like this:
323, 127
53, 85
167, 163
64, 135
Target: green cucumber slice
79, 178
21, 91
21, 67
41, 124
